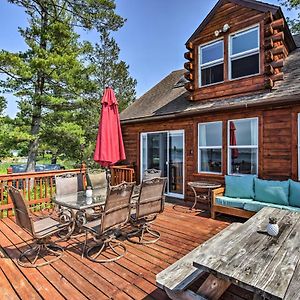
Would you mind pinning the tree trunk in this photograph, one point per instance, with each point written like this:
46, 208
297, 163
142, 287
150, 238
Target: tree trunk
54, 159
34, 144
37, 100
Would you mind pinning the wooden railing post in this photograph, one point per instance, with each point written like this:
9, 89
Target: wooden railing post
9, 183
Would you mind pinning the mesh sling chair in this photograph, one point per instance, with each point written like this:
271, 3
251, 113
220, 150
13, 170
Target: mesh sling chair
99, 181
151, 173
104, 230
148, 174
68, 183
41, 231
150, 203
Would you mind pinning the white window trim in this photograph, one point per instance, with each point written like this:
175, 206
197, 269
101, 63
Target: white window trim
229, 147
179, 196
209, 64
298, 146
209, 147
245, 53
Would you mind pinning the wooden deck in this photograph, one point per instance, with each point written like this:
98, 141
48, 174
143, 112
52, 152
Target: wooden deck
132, 277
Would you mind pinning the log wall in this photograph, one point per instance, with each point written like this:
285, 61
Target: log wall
273, 51
278, 157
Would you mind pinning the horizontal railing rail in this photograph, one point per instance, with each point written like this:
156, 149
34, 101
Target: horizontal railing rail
37, 187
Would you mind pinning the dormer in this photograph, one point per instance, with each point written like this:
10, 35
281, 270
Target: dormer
239, 48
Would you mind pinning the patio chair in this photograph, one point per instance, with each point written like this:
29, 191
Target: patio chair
69, 183
99, 181
149, 205
106, 229
151, 173
65, 184
40, 230
148, 174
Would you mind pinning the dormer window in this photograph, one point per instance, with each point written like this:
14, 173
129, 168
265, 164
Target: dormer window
244, 53
211, 67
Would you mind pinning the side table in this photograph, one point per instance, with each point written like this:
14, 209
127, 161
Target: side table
203, 185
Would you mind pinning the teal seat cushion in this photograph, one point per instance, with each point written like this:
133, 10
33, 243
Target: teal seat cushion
237, 186
276, 192
257, 206
294, 198
232, 202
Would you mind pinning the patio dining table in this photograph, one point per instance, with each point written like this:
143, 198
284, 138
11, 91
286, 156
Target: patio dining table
77, 207
250, 258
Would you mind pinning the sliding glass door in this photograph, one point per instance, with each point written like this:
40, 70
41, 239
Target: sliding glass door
165, 151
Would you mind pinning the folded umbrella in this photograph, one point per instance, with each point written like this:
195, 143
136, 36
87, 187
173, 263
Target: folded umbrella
109, 145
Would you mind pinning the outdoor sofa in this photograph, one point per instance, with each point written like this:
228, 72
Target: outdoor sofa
245, 195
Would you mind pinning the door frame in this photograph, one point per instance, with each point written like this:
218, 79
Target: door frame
175, 195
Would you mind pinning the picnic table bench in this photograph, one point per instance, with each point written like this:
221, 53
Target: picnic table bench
244, 255
176, 279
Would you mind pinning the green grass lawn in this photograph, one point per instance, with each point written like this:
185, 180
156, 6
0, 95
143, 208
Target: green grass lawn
4, 166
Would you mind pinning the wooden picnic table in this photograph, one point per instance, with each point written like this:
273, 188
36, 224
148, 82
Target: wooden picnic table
250, 258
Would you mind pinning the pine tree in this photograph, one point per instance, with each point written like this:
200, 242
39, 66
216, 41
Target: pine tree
293, 23
108, 70
111, 71
51, 75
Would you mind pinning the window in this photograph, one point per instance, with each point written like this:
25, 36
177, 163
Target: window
243, 146
244, 53
210, 147
211, 66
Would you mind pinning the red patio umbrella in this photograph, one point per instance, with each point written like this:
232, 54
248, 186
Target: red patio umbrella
235, 151
109, 146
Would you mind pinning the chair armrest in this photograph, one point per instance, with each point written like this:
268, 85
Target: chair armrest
215, 193
42, 213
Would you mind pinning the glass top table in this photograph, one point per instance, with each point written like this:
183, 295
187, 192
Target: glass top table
76, 208
79, 201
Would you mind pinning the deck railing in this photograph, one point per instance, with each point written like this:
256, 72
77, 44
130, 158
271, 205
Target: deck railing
39, 187
122, 173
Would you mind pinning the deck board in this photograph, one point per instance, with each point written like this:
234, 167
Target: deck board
132, 277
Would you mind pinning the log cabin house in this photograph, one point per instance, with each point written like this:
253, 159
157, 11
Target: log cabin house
234, 110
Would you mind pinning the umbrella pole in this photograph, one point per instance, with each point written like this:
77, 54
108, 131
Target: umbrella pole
108, 176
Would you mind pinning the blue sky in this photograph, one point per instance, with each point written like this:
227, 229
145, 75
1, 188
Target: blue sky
151, 41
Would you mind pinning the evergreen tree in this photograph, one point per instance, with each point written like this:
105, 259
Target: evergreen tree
111, 71
293, 23
51, 75
7, 132
3, 105
108, 70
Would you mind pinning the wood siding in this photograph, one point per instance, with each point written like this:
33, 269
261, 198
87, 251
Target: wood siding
277, 158
273, 51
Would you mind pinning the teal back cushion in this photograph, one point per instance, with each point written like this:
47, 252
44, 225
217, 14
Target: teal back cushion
294, 193
269, 191
239, 186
